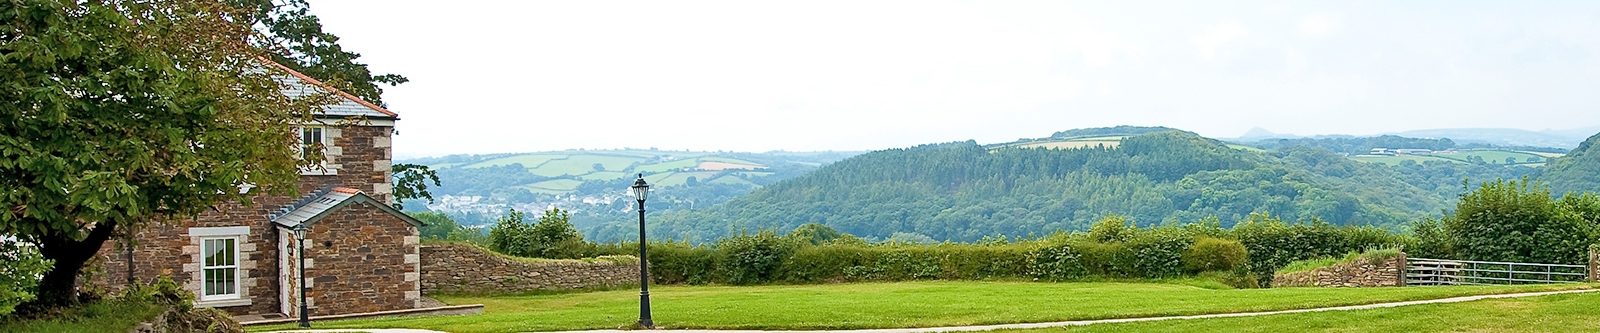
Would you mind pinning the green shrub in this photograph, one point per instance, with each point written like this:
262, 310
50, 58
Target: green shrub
552, 236
751, 259
21, 266
1158, 253
1214, 255
1061, 261
1113, 228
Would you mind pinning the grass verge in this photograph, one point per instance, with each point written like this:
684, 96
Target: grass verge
1557, 313
887, 305
114, 315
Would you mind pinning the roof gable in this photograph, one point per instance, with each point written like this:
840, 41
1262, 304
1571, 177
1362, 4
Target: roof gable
313, 208
300, 85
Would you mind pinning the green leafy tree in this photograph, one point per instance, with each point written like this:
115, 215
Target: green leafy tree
119, 113
411, 182
1518, 221
554, 236
296, 39
511, 235
815, 233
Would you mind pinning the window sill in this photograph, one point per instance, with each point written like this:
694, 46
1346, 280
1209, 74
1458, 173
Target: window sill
319, 172
222, 303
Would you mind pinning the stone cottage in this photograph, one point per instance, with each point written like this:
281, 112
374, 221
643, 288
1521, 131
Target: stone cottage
361, 254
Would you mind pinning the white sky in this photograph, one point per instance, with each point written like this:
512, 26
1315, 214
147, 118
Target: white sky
512, 76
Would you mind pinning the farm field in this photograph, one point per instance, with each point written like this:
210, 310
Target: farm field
571, 168
884, 305
1072, 143
1488, 156
1557, 313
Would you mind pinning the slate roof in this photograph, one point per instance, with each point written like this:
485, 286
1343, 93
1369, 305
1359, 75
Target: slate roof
312, 208
348, 105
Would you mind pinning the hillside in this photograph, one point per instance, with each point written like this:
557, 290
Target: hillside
966, 191
591, 183
1578, 171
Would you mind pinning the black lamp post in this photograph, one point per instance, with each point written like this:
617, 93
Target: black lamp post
300, 249
640, 190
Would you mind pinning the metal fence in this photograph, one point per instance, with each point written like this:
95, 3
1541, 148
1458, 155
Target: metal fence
1424, 271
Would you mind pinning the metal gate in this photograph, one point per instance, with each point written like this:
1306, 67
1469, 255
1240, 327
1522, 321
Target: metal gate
1424, 271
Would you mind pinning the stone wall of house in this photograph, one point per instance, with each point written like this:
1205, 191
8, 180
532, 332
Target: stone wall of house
361, 155
459, 268
1356, 273
361, 259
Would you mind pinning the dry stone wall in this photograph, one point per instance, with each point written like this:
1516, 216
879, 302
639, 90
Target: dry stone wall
467, 269
1357, 273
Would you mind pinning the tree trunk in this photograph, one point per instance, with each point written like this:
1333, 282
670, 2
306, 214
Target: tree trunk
60, 285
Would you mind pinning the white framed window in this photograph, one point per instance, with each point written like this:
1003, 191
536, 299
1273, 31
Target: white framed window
313, 137
219, 268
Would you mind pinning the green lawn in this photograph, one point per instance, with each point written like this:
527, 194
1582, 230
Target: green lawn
882, 305
105, 316
1558, 313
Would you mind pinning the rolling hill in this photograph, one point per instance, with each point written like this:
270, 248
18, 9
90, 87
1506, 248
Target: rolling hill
965, 191
1578, 171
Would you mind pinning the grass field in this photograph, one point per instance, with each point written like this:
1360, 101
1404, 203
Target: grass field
104, 316
554, 186
882, 305
1490, 156
527, 160
1558, 313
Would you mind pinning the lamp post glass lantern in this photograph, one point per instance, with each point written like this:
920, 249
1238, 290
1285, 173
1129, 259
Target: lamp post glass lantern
300, 252
641, 190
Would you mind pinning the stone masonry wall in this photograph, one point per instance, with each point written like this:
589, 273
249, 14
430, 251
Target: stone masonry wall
166, 249
458, 268
361, 259
1357, 273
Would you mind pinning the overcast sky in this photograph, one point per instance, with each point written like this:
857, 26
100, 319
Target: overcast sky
513, 76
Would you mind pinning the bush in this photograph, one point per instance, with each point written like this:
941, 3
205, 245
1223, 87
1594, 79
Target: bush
21, 266
552, 236
1158, 253
751, 259
1214, 255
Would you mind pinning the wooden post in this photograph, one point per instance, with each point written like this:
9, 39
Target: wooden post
1400, 270
1594, 263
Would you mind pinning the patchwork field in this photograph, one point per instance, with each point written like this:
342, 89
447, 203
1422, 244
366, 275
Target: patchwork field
662, 168
1490, 156
884, 305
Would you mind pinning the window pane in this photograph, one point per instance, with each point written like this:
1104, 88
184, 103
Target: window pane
210, 252
228, 254
210, 282
228, 281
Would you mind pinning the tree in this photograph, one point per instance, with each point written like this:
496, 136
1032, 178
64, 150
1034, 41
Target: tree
1518, 221
119, 113
411, 182
815, 233
555, 237
296, 39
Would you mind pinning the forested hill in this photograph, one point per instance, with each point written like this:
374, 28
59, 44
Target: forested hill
965, 191
1578, 171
